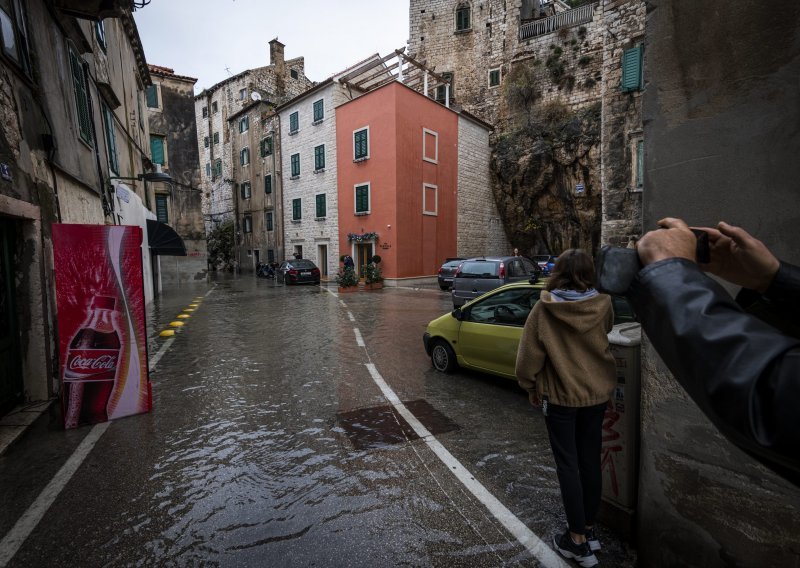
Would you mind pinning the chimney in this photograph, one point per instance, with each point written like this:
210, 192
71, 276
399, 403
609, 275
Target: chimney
276, 53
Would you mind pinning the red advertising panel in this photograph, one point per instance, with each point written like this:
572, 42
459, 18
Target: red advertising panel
101, 322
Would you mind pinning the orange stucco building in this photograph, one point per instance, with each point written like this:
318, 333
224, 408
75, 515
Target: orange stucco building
397, 154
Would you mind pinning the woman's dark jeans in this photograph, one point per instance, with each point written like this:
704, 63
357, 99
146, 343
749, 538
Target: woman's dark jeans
576, 437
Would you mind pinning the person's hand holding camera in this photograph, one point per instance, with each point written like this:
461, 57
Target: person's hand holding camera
673, 240
740, 258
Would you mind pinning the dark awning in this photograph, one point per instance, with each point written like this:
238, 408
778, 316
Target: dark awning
164, 240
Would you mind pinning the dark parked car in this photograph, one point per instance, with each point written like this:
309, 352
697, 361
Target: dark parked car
298, 271
546, 262
476, 276
447, 271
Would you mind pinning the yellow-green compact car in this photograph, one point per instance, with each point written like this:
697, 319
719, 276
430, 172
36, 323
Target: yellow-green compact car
484, 334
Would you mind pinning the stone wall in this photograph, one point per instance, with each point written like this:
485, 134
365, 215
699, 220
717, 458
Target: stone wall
623, 21
480, 231
721, 90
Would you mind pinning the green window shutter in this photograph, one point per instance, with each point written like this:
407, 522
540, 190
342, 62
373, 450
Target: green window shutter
362, 199
262, 147
319, 157
218, 168
152, 96
157, 149
361, 144
269, 146
216, 138
81, 98
268, 183
296, 209
294, 122
161, 209
111, 142
208, 169
321, 208
632, 69
268, 220
295, 165
640, 163
319, 111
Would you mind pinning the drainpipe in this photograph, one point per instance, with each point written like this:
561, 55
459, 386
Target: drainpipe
277, 146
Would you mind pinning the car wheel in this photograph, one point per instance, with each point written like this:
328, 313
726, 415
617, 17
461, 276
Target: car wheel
443, 357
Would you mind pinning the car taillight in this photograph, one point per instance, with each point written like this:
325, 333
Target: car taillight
293, 272
315, 271
440, 270
502, 271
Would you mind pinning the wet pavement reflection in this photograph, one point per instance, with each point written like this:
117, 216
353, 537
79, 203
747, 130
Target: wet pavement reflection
271, 445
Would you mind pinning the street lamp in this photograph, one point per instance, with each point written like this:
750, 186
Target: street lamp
153, 177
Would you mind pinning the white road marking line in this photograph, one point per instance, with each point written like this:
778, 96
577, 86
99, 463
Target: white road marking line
341, 302
157, 357
12, 542
538, 548
350, 315
359, 339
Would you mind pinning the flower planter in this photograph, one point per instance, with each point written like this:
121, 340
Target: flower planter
348, 289
373, 286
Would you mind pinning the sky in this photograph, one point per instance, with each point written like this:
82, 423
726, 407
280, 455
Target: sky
203, 38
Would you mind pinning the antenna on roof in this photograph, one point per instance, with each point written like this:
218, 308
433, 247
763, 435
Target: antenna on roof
228, 69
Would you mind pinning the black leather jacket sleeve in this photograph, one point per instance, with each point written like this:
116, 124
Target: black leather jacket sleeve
743, 373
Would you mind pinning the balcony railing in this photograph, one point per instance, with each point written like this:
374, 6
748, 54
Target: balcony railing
566, 19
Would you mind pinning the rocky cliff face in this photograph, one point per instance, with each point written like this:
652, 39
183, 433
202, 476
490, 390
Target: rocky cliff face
538, 170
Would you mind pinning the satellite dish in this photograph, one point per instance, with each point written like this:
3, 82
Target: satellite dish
255, 96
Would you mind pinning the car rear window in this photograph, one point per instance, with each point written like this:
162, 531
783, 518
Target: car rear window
452, 264
478, 269
303, 264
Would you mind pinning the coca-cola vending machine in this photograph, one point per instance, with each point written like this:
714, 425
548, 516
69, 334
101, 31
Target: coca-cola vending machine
101, 322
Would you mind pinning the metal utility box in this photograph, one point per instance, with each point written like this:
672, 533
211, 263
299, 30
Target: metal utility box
619, 457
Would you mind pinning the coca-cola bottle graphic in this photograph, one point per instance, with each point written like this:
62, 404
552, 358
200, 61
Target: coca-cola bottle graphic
91, 366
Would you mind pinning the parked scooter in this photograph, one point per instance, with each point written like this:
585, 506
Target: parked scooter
265, 270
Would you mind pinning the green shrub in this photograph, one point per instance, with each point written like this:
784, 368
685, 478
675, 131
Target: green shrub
346, 277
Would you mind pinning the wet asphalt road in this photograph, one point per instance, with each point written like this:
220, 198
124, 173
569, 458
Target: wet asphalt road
270, 444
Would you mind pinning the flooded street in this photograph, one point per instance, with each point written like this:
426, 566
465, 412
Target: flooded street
272, 442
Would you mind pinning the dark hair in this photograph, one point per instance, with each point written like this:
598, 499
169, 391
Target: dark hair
574, 270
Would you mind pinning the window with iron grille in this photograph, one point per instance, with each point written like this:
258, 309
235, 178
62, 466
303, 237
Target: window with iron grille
322, 210
319, 157
362, 199
295, 165
361, 144
462, 18
162, 212
111, 139
244, 156
266, 146
268, 223
157, 153
297, 212
270, 255
319, 110
81, 97
294, 122
632, 69
268, 183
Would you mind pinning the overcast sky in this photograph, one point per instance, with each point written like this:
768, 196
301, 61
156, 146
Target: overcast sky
201, 38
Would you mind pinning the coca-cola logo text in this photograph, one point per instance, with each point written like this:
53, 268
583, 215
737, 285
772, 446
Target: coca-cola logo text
101, 363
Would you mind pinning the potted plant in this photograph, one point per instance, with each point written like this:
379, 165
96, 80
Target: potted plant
347, 280
373, 278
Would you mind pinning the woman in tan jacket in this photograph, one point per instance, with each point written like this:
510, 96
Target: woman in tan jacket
565, 364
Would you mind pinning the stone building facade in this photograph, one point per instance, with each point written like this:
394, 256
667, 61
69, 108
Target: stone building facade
179, 204
278, 82
510, 68
258, 186
74, 123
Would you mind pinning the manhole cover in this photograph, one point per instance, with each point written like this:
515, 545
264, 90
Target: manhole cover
382, 426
